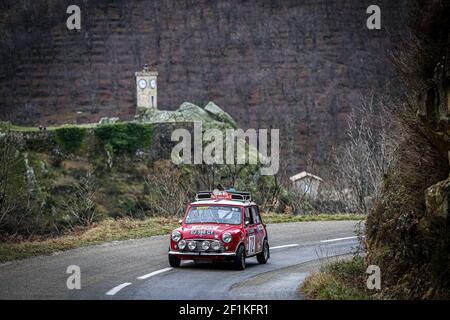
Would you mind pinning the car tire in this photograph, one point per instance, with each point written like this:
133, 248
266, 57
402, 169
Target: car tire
239, 261
265, 254
174, 261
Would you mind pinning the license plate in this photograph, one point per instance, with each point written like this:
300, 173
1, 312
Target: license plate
202, 232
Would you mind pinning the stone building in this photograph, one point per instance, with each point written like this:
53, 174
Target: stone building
146, 89
306, 183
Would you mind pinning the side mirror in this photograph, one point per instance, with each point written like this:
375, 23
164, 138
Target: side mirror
247, 223
180, 221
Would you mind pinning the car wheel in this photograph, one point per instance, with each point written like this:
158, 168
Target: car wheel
265, 254
239, 261
174, 261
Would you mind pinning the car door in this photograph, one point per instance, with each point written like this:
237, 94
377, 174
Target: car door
259, 228
250, 232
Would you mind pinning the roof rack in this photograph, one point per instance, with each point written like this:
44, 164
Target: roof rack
225, 195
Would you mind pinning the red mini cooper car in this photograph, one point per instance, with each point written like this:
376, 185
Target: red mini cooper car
220, 225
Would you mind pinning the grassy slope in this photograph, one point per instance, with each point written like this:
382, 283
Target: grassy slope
343, 279
126, 228
107, 230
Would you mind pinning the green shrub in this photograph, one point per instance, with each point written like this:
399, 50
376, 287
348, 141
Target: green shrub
5, 126
124, 138
128, 206
70, 138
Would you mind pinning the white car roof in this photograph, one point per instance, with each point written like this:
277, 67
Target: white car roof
224, 202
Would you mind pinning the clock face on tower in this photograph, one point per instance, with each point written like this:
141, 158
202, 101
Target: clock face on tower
153, 84
142, 84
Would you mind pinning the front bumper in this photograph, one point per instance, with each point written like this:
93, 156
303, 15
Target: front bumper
203, 254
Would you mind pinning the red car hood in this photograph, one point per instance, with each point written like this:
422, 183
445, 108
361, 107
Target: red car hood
206, 231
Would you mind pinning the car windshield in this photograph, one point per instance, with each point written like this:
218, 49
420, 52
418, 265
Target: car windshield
214, 214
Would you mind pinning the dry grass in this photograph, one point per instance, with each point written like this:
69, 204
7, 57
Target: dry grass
107, 230
279, 218
343, 279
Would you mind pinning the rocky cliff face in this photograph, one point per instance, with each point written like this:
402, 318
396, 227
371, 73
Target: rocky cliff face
295, 65
408, 232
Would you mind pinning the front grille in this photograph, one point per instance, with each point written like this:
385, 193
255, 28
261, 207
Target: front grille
198, 247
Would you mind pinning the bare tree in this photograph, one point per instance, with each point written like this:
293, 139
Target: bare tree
81, 204
207, 176
300, 202
269, 191
169, 192
361, 163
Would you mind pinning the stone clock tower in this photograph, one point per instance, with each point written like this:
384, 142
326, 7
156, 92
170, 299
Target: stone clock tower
146, 89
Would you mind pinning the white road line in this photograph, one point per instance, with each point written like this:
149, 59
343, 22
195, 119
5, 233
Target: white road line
114, 290
285, 246
146, 276
338, 239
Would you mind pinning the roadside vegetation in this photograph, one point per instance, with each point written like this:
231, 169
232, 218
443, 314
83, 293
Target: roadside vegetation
342, 279
280, 218
104, 231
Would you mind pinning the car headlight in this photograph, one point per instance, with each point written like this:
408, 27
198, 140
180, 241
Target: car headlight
215, 245
226, 237
176, 236
206, 245
182, 244
192, 245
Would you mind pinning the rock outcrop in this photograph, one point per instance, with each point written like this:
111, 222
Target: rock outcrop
212, 116
408, 231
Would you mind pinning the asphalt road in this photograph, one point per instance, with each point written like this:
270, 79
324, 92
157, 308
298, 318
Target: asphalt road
138, 269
